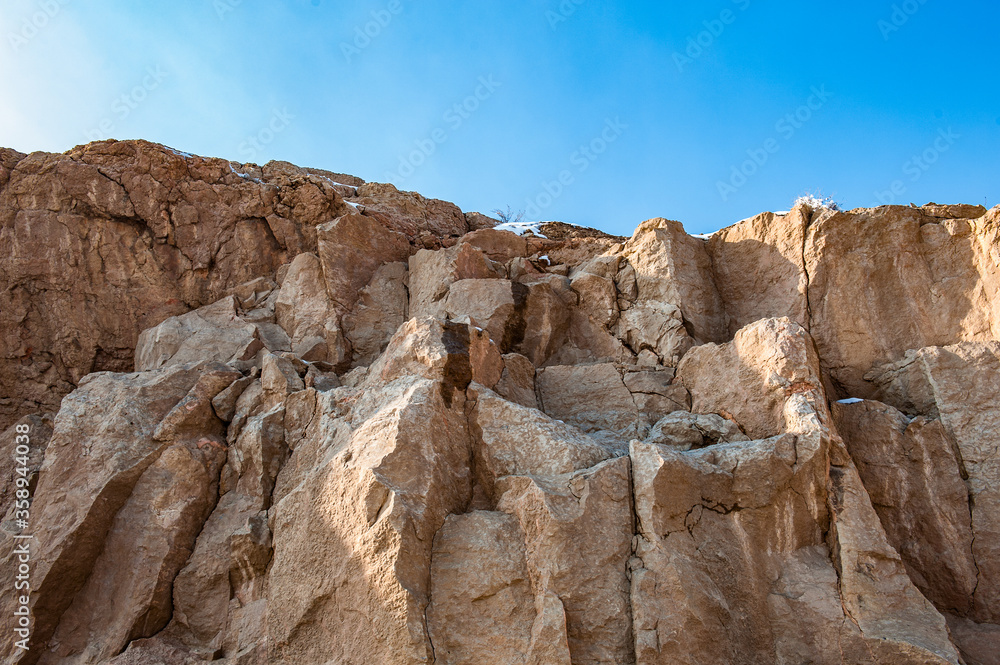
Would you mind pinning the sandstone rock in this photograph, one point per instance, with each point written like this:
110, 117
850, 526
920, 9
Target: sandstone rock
482, 601
517, 383
410, 213
351, 249
107, 472
306, 313
39, 431
354, 573
239, 502
759, 270
456, 353
433, 273
961, 382
381, 309
574, 562
655, 327
530, 319
518, 441
683, 431
593, 397
751, 377
936, 280
113, 238
977, 642
672, 268
915, 482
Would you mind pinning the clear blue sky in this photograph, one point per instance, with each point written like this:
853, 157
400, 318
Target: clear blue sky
704, 112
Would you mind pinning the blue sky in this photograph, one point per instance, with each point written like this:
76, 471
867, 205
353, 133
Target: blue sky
596, 113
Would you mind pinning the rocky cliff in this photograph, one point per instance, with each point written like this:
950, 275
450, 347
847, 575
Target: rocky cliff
280, 415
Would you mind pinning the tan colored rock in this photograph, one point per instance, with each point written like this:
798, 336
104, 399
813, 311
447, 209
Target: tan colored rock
759, 270
530, 319
672, 268
382, 307
592, 397
517, 383
38, 432
751, 377
977, 642
354, 575
518, 441
683, 431
499, 246
910, 471
114, 237
433, 272
457, 353
122, 494
936, 286
351, 249
961, 382
482, 602
578, 538
214, 332
308, 316
655, 327
410, 213
598, 297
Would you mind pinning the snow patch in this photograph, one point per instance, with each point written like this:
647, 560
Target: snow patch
245, 176
180, 153
850, 400
520, 228
545, 257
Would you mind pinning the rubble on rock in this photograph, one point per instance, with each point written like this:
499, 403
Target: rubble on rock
271, 427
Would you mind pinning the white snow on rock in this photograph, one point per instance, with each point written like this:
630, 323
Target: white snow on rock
520, 228
850, 400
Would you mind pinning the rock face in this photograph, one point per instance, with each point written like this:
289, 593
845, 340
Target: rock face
265, 425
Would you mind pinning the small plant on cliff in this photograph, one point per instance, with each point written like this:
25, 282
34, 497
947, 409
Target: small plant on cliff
818, 201
508, 216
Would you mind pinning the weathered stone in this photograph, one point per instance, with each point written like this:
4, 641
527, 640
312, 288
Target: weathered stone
381, 309
517, 383
750, 377
307, 314
118, 505
593, 397
683, 431
961, 382
913, 477
672, 268
351, 249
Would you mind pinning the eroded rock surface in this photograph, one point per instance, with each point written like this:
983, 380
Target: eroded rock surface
365, 427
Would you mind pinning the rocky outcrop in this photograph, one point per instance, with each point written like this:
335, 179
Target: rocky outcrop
386, 433
112, 238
